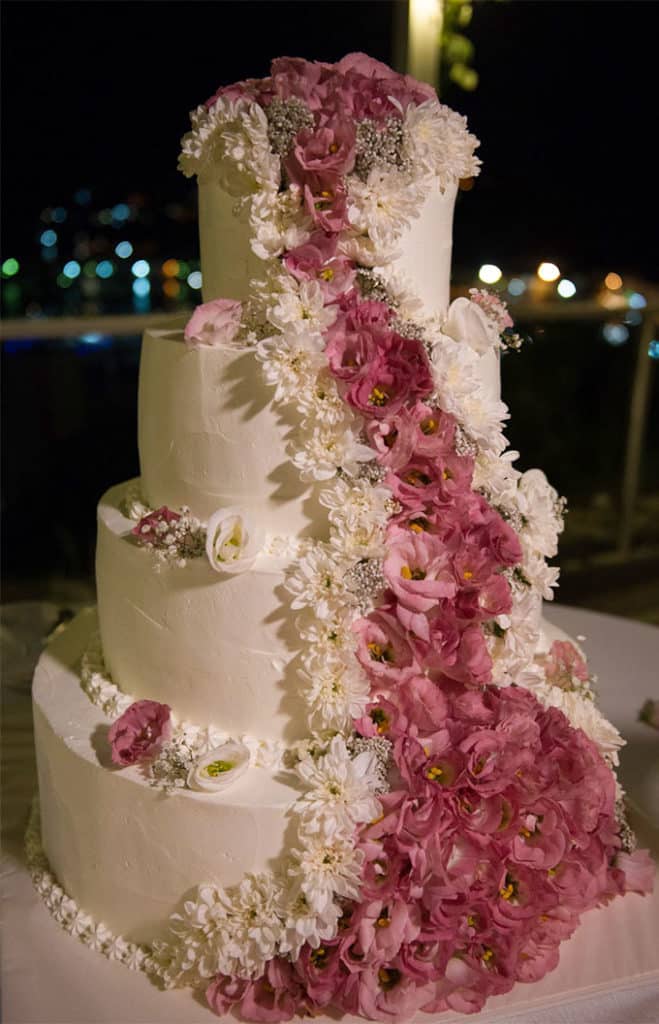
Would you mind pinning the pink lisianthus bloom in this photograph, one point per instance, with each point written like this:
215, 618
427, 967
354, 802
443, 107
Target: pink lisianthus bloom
322, 157
213, 324
321, 972
278, 995
485, 602
438, 480
354, 340
316, 260
383, 649
328, 208
296, 78
400, 373
564, 666
384, 992
490, 531
249, 89
423, 703
418, 571
138, 734
473, 664
541, 840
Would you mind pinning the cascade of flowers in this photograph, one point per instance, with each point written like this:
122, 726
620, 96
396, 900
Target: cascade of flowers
498, 824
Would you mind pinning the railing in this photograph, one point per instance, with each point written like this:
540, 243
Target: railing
524, 312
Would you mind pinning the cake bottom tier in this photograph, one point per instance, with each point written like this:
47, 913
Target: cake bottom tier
126, 852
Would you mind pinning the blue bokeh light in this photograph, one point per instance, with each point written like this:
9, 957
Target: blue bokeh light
71, 270
48, 238
105, 269
123, 250
140, 268
141, 287
615, 334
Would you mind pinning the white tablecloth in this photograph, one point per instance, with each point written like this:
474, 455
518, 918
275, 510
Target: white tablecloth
609, 971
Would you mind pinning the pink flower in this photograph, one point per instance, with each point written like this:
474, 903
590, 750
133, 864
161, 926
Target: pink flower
327, 207
398, 373
418, 571
317, 260
384, 992
151, 528
213, 323
276, 996
322, 157
440, 480
138, 734
564, 666
383, 649
353, 341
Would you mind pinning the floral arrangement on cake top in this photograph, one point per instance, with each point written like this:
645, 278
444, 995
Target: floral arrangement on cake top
458, 805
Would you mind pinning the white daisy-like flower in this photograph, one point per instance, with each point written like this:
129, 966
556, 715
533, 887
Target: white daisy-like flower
320, 401
288, 366
403, 298
513, 647
302, 312
537, 501
383, 206
496, 476
438, 143
461, 393
358, 513
336, 690
326, 867
304, 925
279, 222
316, 581
320, 452
325, 636
341, 788
229, 143
542, 577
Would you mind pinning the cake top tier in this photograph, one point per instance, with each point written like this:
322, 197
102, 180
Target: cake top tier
350, 148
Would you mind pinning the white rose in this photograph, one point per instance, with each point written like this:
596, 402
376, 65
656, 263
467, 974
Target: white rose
467, 323
232, 544
219, 768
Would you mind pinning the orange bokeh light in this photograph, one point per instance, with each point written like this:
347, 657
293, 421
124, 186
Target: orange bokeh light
170, 268
613, 281
171, 288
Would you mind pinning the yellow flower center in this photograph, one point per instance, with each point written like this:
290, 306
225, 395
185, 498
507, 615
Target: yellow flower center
434, 773
412, 574
216, 768
327, 274
468, 574
428, 426
378, 397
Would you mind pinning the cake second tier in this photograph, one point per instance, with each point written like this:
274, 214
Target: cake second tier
216, 648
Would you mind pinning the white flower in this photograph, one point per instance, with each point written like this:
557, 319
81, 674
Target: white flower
316, 581
541, 576
279, 222
336, 691
319, 401
358, 514
438, 143
497, 477
320, 452
288, 367
229, 144
340, 794
538, 501
468, 324
512, 654
302, 312
232, 543
383, 206
304, 925
326, 866
219, 768
460, 392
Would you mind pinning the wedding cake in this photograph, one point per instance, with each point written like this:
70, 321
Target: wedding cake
322, 751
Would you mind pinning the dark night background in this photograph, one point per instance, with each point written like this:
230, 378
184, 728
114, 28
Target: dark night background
96, 96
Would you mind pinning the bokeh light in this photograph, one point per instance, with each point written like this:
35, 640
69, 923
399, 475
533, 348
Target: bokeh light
653, 349
140, 269
613, 281
489, 273
637, 301
10, 267
123, 250
171, 288
105, 269
566, 289
141, 287
58, 215
615, 334
548, 272
194, 279
48, 238
71, 270
170, 268
516, 286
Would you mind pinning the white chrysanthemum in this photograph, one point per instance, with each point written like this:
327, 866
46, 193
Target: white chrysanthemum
288, 367
541, 576
319, 452
278, 221
461, 393
438, 143
304, 925
582, 713
301, 312
405, 301
512, 653
351, 502
336, 690
537, 501
497, 477
383, 206
320, 402
326, 867
325, 636
340, 794
229, 143
230, 932
316, 581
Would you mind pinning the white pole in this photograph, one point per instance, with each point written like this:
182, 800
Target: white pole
423, 39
